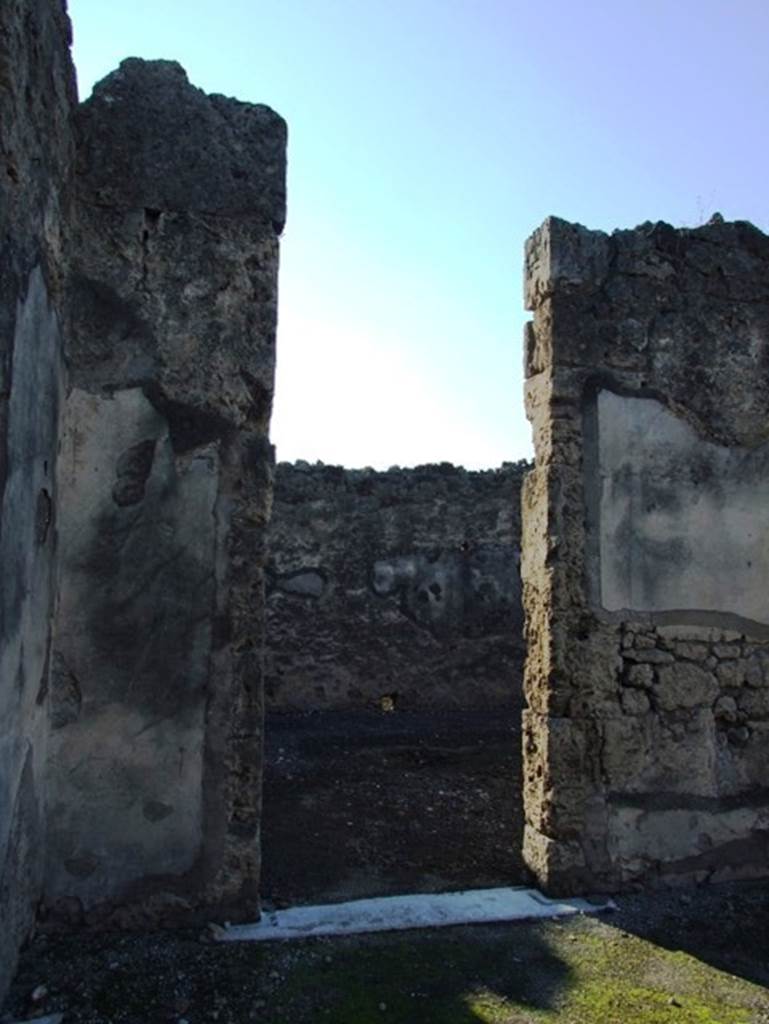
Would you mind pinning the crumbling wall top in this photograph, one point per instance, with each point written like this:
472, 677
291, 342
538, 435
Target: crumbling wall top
563, 258
681, 311
228, 157
301, 479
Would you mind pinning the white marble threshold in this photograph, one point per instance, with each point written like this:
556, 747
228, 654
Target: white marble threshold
397, 913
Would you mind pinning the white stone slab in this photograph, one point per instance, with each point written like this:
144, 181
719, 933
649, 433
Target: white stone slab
395, 913
51, 1018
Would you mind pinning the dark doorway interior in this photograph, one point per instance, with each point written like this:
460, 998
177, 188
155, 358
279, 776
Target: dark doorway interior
369, 803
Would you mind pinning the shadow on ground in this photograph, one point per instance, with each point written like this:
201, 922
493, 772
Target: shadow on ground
725, 925
461, 976
581, 971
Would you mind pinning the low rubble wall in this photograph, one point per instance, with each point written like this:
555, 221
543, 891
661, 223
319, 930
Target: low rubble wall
397, 588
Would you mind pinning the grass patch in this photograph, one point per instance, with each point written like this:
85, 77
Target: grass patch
583, 973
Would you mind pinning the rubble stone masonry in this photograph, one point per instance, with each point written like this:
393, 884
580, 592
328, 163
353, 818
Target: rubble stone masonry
400, 586
644, 557
138, 305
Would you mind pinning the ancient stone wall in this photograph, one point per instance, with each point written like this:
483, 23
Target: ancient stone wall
138, 282
165, 471
36, 157
138, 287
399, 586
644, 556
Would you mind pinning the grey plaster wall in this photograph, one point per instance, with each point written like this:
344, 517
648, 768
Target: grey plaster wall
130, 670
166, 473
36, 153
681, 522
644, 555
400, 586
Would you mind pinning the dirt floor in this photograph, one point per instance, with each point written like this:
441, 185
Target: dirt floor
374, 803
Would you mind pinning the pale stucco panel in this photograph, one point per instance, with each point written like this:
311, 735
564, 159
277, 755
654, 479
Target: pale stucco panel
682, 523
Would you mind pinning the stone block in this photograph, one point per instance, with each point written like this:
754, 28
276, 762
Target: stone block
559, 865
635, 701
692, 651
639, 675
754, 703
730, 673
756, 669
727, 650
649, 656
559, 767
684, 685
697, 633
560, 256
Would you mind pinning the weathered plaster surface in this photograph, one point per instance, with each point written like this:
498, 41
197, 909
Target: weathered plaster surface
137, 331
36, 155
678, 519
130, 671
166, 475
401, 586
647, 728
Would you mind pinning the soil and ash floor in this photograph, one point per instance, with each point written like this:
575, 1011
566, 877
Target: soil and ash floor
433, 804
368, 803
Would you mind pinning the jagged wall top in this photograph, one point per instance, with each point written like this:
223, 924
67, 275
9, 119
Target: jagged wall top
687, 306
228, 157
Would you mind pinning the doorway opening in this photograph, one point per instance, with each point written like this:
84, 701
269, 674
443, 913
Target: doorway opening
393, 683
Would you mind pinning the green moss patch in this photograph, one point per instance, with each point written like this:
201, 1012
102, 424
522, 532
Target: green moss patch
583, 973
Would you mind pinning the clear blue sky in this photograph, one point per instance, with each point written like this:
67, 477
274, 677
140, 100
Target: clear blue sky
427, 139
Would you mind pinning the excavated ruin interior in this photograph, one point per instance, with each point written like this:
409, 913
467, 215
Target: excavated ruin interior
394, 655
165, 583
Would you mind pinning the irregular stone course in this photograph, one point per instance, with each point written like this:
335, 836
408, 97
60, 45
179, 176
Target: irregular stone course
399, 587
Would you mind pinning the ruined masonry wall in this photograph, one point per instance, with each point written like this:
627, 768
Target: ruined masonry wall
644, 556
165, 471
401, 584
37, 94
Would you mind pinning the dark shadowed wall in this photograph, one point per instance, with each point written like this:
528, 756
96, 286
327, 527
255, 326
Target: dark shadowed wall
401, 585
37, 97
